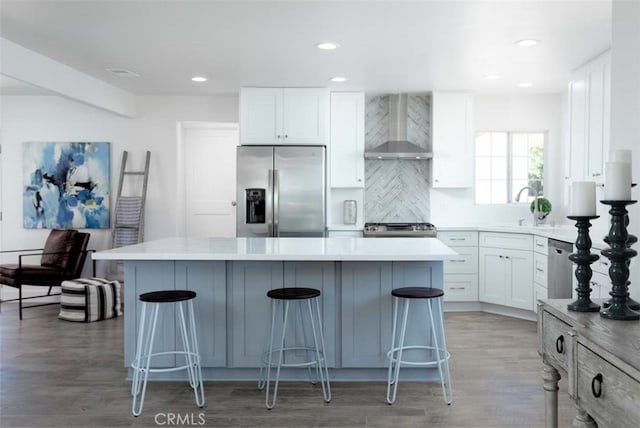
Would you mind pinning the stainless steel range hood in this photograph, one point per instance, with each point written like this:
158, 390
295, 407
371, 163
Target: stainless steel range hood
398, 146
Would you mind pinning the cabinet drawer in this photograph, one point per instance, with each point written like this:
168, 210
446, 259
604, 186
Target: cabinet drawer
514, 241
540, 245
539, 292
469, 263
556, 340
606, 392
540, 269
459, 239
460, 288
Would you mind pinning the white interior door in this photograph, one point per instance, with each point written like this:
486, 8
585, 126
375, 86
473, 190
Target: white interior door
209, 178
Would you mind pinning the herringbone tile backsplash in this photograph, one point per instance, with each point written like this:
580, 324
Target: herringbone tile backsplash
397, 190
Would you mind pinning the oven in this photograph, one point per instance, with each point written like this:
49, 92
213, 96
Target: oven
399, 230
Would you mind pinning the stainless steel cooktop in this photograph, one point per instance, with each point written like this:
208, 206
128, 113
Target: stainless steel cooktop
404, 230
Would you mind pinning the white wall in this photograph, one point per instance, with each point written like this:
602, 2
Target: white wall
52, 118
625, 106
452, 207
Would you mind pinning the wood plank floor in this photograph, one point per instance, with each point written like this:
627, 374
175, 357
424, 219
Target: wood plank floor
60, 374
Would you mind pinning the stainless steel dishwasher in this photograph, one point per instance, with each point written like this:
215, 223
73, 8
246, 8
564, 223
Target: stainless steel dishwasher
560, 272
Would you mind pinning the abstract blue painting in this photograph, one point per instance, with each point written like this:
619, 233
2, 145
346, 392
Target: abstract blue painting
66, 185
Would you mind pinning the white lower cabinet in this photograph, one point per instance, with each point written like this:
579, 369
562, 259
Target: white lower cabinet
506, 275
461, 276
540, 271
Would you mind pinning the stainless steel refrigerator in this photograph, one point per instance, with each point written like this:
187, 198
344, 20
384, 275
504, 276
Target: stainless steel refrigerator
281, 191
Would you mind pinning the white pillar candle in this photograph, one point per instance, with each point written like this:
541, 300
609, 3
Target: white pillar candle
617, 181
583, 198
622, 155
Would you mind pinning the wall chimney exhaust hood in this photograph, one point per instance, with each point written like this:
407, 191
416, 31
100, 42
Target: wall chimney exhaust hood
398, 146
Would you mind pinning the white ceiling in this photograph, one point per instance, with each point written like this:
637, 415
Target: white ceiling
386, 46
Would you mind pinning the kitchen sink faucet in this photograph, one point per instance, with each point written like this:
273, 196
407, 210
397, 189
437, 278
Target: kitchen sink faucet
535, 203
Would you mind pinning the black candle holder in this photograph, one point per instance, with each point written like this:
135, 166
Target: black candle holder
620, 254
631, 239
583, 259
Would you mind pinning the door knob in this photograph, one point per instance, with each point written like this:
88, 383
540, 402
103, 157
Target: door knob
233, 203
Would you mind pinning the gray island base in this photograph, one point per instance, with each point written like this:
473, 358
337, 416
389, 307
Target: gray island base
231, 277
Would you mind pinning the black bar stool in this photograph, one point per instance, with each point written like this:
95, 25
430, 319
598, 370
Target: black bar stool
438, 351
315, 354
144, 353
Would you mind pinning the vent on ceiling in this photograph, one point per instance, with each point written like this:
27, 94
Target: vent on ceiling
123, 72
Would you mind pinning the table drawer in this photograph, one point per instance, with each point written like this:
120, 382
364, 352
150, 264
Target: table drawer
459, 239
556, 340
607, 393
540, 245
468, 264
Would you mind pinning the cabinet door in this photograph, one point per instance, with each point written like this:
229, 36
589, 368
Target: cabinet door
493, 276
366, 313
261, 116
251, 309
452, 140
321, 276
575, 155
598, 75
143, 277
305, 118
347, 139
208, 280
519, 279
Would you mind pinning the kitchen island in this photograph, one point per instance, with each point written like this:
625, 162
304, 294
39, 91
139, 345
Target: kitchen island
232, 276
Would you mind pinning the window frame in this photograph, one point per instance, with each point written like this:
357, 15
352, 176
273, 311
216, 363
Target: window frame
509, 155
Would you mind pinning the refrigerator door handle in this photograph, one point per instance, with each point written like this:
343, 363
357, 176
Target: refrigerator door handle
276, 202
269, 216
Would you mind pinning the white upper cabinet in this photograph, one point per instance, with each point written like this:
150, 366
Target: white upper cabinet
598, 115
589, 120
273, 116
347, 139
452, 140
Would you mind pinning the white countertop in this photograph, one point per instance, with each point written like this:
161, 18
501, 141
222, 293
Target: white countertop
308, 249
567, 233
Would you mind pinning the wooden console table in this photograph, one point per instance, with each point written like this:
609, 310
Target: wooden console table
601, 359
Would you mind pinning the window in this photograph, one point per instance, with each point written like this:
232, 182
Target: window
506, 162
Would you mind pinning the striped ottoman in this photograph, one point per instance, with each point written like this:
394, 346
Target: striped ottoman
90, 299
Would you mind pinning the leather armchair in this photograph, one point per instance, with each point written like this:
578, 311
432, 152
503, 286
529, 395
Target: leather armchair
61, 259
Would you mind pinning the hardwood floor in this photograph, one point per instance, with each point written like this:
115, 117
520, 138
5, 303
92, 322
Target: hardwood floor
61, 374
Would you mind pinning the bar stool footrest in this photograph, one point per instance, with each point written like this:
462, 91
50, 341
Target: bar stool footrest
265, 357
195, 363
391, 356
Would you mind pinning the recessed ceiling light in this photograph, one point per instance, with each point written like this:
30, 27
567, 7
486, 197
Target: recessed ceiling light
327, 46
338, 79
526, 42
199, 79
525, 84
122, 72
491, 77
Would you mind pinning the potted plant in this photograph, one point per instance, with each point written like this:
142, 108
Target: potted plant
544, 207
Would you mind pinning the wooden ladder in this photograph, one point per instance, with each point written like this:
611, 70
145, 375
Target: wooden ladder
128, 228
